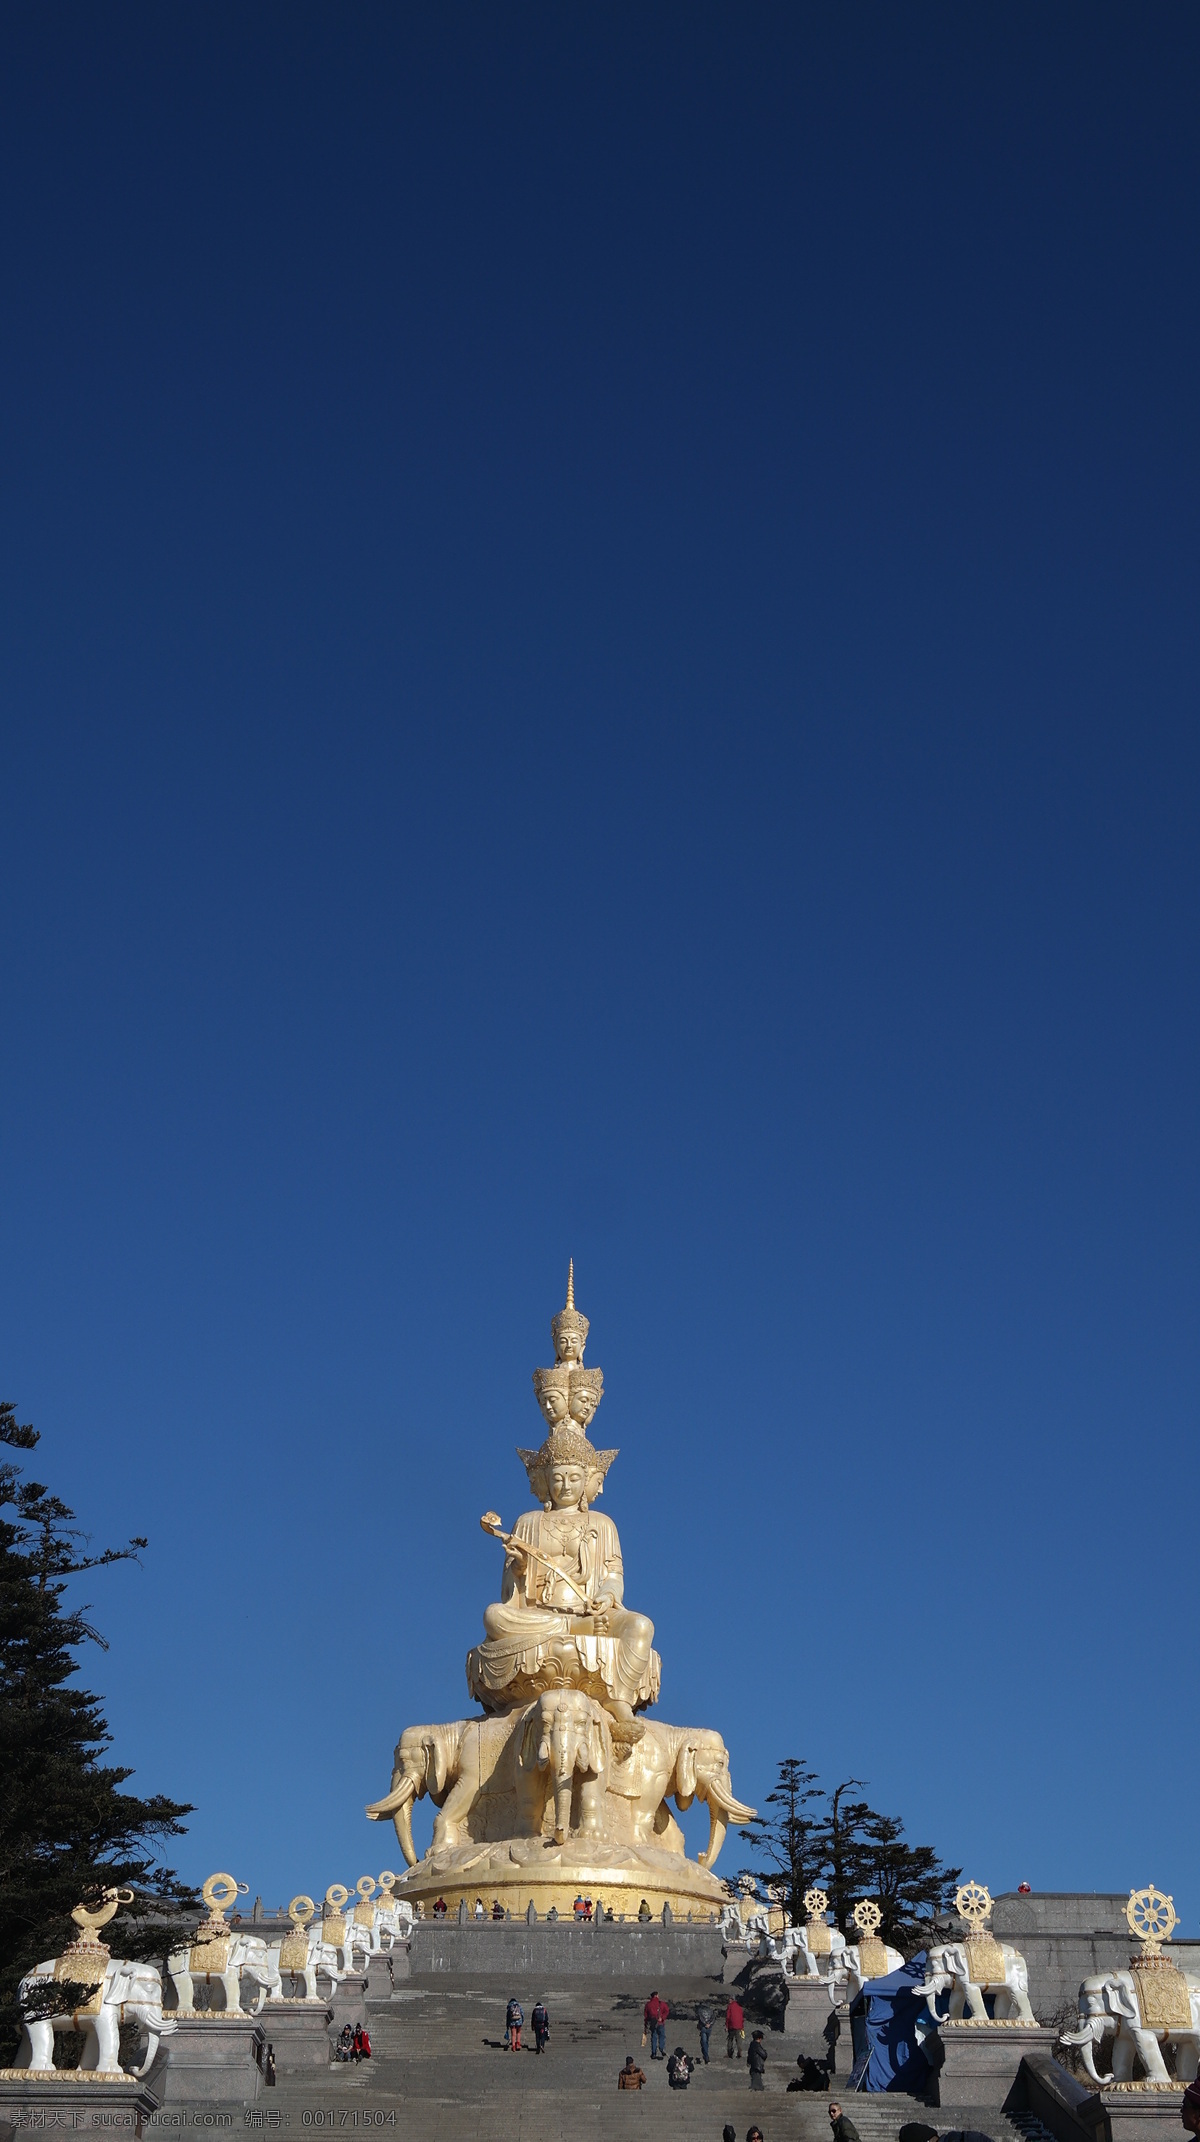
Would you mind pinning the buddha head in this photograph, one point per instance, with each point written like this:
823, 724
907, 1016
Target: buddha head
566, 1473
553, 1388
586, 1389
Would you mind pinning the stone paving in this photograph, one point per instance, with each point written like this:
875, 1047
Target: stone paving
440, 2067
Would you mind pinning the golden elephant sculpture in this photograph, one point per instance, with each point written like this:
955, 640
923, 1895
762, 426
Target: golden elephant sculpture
683, 1763
521, 1765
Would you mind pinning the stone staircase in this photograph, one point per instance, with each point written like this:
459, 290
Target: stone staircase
440, 2068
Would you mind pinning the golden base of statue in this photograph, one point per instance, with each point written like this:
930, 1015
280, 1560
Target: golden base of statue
560, 1786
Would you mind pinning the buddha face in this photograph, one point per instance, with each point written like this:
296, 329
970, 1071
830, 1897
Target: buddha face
568, 1347
553, 1394
567, 1483
584, 1401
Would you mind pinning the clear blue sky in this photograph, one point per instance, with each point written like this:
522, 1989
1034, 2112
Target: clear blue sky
599, 652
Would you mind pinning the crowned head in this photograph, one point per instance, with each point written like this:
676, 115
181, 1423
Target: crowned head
585, 1391
569, 1329
567, 1472
553, 1389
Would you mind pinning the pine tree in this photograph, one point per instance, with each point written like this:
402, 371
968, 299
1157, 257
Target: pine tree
789, 1840
908, 1882
845, 1862
852, 1853
66, 1828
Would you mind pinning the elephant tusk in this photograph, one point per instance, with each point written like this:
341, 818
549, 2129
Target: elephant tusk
733, 1810
404, 1836
716, 1836
400, 1795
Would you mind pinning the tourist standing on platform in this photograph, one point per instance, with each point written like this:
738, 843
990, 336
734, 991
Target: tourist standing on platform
735, 2028
540, 2024
844, 2130
656, 2015
706, 2016
756, 2061
630, 2077
514, 2016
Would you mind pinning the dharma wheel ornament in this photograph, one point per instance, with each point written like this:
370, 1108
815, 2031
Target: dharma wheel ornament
816, 1928
872, 1953
1162, 1989
985, 1957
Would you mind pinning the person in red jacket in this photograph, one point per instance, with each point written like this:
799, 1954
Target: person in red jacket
735, 2029
656, 2015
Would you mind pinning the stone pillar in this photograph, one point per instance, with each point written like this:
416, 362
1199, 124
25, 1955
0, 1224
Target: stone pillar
298, 2031
1143, 2115
210, 2059
808, 2011
982, 2059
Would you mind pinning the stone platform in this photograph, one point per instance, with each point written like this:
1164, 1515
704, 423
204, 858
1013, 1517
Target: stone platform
32, 2100
210, 2059
982, 2059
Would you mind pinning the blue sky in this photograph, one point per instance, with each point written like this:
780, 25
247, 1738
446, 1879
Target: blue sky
599, 643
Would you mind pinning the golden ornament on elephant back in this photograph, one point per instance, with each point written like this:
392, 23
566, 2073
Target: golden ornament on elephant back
818, 1933
1162, 1989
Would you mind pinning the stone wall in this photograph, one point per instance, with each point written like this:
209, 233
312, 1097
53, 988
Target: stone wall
500, 1948
1065, 1936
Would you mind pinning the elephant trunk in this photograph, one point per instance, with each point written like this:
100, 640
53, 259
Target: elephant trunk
562, 1807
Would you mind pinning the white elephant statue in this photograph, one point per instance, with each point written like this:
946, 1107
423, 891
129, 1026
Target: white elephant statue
246, 1953
1108, 2002
132, 1993
304, 1953
948, 1970
848, 1974
798, 1959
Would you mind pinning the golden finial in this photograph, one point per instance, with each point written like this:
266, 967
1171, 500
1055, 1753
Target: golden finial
569, 1328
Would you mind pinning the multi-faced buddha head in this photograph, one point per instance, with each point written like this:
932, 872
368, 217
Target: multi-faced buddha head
567, 1472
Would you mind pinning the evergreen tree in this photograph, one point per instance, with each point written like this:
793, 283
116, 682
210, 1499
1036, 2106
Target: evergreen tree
850, 1852
908, 1882
844, 1854
66, 1828
789, 1840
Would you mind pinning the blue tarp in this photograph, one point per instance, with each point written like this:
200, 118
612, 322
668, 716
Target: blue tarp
889, 2023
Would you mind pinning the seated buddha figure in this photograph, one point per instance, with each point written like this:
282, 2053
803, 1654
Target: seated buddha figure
561, 1615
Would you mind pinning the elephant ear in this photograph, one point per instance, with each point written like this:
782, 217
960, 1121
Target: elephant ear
527, 1752
437, 1749
685, 1773
596, 1761
1119, 1997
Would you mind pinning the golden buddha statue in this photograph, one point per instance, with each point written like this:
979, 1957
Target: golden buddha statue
561, 1619
559, 1783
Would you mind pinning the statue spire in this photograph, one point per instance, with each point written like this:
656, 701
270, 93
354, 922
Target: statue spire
570, 1282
